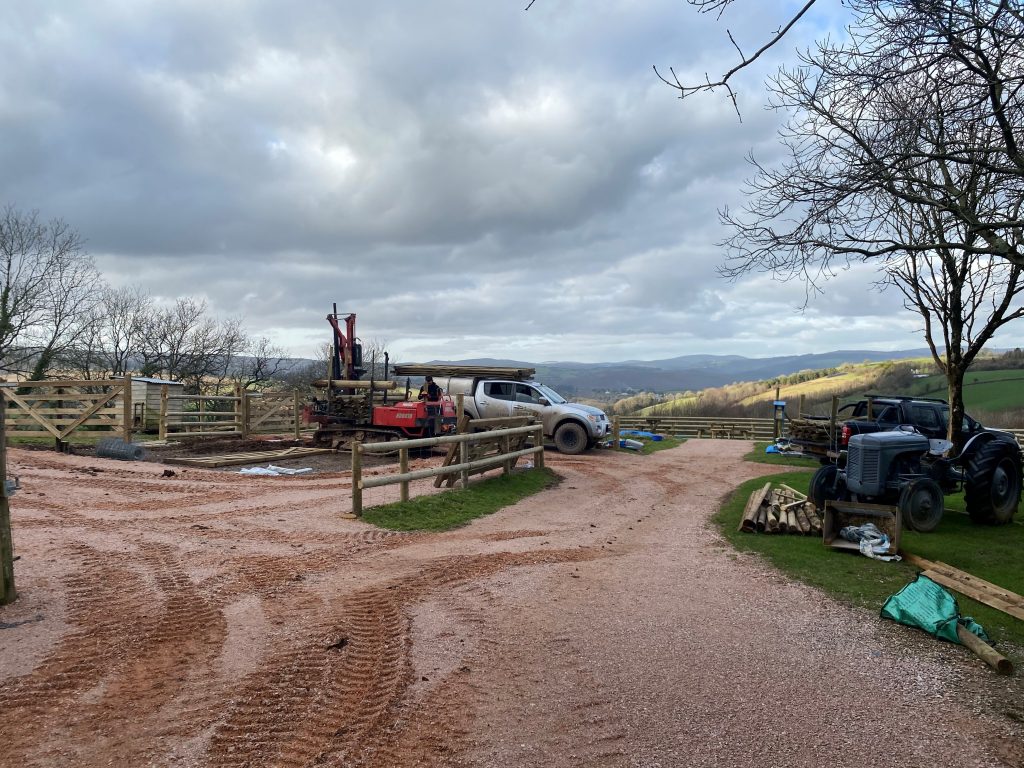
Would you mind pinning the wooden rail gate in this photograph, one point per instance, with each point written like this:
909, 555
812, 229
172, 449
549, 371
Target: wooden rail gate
60, 407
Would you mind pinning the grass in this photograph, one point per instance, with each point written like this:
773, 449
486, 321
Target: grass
983, 391
989, 552
454, 508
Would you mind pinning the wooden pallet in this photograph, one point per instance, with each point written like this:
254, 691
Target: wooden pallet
253, 457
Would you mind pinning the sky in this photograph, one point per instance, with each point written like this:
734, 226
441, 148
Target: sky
470, 178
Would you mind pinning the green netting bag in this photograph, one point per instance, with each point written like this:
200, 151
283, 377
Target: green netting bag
928, 606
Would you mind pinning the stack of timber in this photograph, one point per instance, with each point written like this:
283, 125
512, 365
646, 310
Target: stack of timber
780, 510
810, 430
465, 371
354, 408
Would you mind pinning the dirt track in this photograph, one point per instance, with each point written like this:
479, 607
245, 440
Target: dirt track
208, 619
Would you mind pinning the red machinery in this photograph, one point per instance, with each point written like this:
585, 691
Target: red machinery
350, 408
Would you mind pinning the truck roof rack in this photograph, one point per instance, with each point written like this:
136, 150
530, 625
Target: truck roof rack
904, 398
468, 371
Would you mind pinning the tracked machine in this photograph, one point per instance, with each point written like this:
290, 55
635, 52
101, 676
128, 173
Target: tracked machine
351, 407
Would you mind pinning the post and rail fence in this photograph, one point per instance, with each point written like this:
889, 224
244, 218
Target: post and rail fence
463, 466
57, 408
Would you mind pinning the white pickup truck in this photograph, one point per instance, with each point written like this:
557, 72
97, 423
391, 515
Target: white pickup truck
573, 427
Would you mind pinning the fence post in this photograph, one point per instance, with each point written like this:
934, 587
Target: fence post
298, 415
163, 412
202, 413
403, 467
7, 591
800, 407
357, 477
539, 462
506, 447
463, 459
832, 426
127, 415
239, 410
460, 408
615, 432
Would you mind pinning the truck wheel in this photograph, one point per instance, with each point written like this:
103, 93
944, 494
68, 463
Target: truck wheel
827, 485
571, 438
992, 483
921, 505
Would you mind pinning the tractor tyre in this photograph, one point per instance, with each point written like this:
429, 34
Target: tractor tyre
992, 483
921, 505
571, 438
827, 485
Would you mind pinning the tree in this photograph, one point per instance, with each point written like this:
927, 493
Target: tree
903, 151
47, 286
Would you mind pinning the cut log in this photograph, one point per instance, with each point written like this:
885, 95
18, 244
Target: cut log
748, 521
796, 493
801, 519
762, 518
984, 651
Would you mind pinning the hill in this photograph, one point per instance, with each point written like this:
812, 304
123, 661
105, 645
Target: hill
607, 381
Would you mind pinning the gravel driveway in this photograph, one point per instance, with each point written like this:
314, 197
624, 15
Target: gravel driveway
207, 619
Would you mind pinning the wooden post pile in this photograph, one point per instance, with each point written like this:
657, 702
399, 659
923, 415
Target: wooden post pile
780, 510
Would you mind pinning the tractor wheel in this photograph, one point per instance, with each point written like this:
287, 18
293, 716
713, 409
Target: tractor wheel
827, 485
992, 483
571, 438
921, 505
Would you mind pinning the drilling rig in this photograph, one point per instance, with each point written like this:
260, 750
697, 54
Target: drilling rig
352, 407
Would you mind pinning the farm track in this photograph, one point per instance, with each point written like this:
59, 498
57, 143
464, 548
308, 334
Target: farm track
207, 619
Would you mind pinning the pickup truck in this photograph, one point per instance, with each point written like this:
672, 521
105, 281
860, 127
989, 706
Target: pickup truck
573, 427
877, 413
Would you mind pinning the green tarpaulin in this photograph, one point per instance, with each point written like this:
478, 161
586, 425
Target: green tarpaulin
929, 606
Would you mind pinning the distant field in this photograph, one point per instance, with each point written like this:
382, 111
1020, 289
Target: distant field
818, 389
663, 409
983, 391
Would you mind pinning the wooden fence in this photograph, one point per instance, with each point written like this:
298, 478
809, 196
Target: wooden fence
505, 458
57, 408
243, 414
739, 428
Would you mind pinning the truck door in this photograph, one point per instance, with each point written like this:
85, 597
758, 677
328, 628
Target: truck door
494, 399
928, 421
528, 402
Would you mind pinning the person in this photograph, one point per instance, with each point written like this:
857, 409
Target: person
430, 393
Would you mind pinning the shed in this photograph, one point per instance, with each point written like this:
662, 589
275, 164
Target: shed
146, 400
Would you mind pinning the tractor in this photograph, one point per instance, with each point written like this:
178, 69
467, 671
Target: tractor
903, 468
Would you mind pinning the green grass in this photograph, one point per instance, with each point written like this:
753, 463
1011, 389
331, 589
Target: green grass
989, 552
983, 391
779, 459
451, 509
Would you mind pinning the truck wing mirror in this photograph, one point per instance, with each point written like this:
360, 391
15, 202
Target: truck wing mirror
544, 401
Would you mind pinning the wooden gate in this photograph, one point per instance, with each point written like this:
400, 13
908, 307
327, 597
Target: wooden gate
273, 413
57, 408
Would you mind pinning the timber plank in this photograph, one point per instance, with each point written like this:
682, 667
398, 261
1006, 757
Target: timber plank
253, 457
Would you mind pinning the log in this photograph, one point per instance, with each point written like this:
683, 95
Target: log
747, 522
355, 384
801, 519
762, 518
984, 651
771, 523
783, 525
794, 525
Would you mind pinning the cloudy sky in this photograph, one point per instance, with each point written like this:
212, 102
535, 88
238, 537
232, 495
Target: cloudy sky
469, 178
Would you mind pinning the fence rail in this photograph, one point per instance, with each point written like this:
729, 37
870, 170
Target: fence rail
739, 428
465, 464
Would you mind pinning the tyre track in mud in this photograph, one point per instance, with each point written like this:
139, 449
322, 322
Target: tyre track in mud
335, 699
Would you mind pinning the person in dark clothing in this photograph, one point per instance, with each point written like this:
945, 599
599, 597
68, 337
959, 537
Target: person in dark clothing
430, 393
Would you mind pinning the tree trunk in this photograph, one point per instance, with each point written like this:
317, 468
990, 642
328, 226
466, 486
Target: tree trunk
955, 382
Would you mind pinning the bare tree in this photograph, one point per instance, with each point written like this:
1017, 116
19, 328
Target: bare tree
262, 363
903, 150
47, 282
